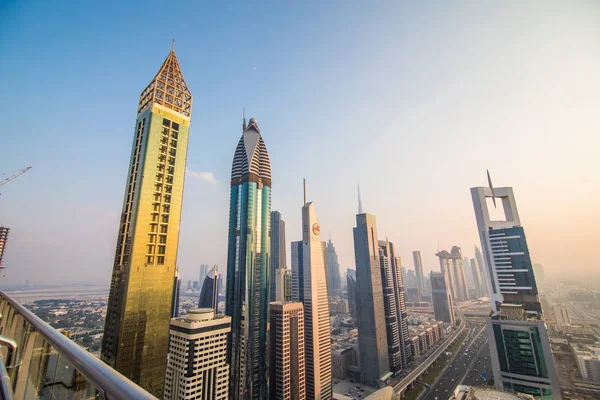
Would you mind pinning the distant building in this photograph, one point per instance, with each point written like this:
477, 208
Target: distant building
202, 275
297, 271
394, 306
341, 358
419, 274
287, 351
278, 256
333, 270
478, 281
561, 315
372, 336
451, 265
282, 281
485, 275
411, 279
443, 304
351, 288
197, 364
209, 295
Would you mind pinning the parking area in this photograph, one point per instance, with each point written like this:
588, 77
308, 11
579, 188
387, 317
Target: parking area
354, 390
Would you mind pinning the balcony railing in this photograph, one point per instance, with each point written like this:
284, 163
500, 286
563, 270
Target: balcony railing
39, 362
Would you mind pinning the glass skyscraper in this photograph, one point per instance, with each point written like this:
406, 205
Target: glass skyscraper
519, 345
248, 269
370, 310
136, 332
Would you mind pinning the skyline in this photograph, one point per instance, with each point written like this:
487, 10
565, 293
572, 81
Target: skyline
63, 213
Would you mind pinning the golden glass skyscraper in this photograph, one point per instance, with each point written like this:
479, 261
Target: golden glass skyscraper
136, 332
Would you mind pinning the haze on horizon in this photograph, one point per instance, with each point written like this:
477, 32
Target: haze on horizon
412, 102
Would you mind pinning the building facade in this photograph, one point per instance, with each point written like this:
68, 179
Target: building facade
248, 269
317, 334
175, 297
136, 331
485, 278
209, 294
519, 344
370, 309
333, 270
351, 289
197, 367
395, 307
4, 231
443, 304
297, 271
287, 351
278, 256
419, 273
451, 265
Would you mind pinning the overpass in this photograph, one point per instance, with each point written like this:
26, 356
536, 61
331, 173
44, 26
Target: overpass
415, 374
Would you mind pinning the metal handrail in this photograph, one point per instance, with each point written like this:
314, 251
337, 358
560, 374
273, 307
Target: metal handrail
109, 382
11, 346
5, 387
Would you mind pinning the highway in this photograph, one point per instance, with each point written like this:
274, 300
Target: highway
414, 374
470, 361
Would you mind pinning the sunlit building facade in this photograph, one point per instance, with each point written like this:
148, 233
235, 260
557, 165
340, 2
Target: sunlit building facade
136, 333
248, 266
317, 332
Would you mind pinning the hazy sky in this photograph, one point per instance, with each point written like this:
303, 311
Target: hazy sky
413, 103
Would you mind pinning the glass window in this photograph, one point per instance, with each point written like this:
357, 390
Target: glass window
161, 249
161, 260
166, 122
175, 126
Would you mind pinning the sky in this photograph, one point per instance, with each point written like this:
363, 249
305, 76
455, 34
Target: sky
414, 102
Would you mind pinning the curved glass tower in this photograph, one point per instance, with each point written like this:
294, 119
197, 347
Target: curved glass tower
248, 266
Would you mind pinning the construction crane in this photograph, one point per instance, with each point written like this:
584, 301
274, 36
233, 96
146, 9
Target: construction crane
14, 176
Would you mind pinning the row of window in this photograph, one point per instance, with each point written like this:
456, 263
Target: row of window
163, 189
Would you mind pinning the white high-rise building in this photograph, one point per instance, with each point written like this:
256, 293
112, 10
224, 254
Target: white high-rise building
197, 363
317, 336
519, 344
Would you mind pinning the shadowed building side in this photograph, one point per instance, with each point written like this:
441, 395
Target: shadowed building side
136, 332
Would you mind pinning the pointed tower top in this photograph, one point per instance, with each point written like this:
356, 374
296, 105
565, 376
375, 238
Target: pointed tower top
168, 88
360, 206
304, 184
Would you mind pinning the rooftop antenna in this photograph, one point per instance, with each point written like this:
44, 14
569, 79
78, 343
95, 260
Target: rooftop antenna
360, 207
491, 187
244, 118
173, 45
304, 184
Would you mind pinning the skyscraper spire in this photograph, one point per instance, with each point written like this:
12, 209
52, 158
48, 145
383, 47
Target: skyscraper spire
304, 185
360, 206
